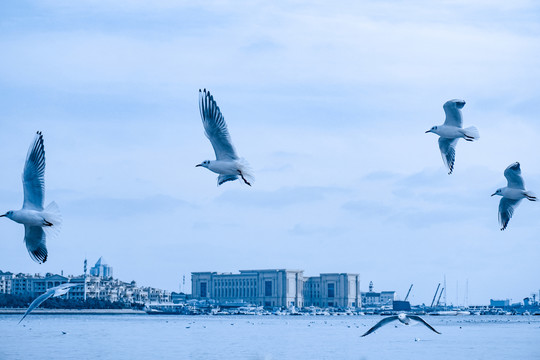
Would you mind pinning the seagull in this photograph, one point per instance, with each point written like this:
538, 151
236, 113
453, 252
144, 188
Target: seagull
451, 131
512, 194
52, 292
403, 318
227, 164
36, 220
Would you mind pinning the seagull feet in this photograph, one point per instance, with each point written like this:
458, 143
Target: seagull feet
243, 178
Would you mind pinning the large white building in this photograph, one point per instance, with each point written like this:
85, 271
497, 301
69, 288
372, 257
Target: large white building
278, 288
340, 290
23, 284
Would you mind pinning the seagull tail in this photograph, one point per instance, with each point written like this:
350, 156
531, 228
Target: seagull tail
246, 170
530, 196
53, 216
471, 133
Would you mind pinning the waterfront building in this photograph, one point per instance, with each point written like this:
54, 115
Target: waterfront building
24, 284
278, 288
178, 298
116, 290
500, 303
99, 286
269, 288
376, 299
341, 290
5, 282
101, 269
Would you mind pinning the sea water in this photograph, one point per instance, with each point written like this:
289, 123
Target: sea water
265, 337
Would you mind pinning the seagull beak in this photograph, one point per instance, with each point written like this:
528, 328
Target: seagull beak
2, 215
494, 194
198, 165
428, 131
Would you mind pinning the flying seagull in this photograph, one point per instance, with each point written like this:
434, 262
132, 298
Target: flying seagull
227, 164
37, 221
512, 194
52, 292
403, 318
451, 131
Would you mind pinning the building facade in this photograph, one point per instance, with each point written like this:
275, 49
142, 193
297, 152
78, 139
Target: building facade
341, 290
376, 299
23, 284
99, 286
269, 288
101, 269
278, 288
5, 282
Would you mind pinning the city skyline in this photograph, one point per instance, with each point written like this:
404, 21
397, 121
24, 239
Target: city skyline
102, 269
328, 102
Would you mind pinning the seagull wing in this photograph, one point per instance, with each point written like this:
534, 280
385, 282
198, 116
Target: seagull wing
419, 319
513, 175
63, 288
506, 210
381, 323
215, 127
34, 237
448, 152
224, 178
34, 175
38, 302
453, 112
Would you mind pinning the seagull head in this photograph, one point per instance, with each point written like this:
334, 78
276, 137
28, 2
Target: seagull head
433, 130
8, 214
205, 164
498, 192
459, 103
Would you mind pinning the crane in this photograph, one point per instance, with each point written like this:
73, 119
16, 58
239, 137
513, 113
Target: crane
434, 296
408, 292
439, 299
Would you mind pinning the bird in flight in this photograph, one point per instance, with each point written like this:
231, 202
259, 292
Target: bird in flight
403, 318
227, 164
512, 194
451, 131
38, 222
52, 292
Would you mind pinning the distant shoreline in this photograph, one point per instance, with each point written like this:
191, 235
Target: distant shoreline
20, 311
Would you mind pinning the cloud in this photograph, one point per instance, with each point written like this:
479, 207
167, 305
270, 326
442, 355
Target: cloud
310, 230
369, 209
283, 197
113, 208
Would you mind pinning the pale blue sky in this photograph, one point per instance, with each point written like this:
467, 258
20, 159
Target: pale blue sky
329, 104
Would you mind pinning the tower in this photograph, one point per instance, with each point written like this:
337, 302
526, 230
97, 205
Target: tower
84, 279
371, 286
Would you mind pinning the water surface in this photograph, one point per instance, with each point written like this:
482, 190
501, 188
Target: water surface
265, 337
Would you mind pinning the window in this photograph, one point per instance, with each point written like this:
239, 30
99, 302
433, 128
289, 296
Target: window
268, 288
331, 290
203, 289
